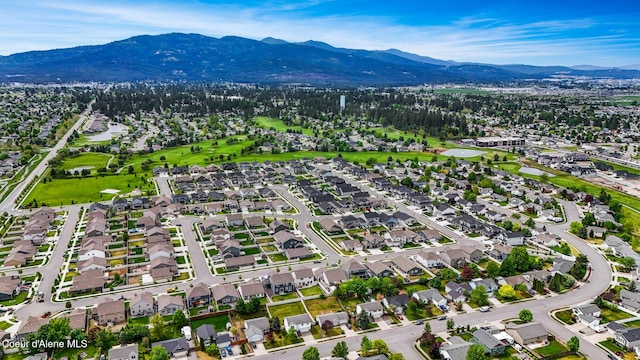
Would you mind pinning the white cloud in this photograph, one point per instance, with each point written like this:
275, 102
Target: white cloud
480, 38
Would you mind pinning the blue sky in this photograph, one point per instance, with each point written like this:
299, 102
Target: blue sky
559, 32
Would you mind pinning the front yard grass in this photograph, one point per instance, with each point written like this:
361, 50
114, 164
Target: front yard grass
280, 340
18, 299
286, 310
323, 306
317, 332
566, 316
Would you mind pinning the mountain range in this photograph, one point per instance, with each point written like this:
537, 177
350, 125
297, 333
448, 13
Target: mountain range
193, 57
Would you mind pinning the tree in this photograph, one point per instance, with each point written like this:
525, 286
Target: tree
530, 223
365, 346
493, 269
520, 258
506, 291
448, 274
378, 346
628, 263
158, 353
311, 353
212, 349
341, 350
105, 340
158, 328
525, 315
241, 306
479, 296
574, 343
67, 305
466, 273
427, 327
55, 331
396, 356
179, 319
575, 227
362, 320
275, 323
450, 323
476, 352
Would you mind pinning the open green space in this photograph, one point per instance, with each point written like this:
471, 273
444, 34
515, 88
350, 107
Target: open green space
4, 325
323, 306
553, 348
617, 166
285, 310
85, 190
218, 322
139, 320
74, 353
278, 125
97, 160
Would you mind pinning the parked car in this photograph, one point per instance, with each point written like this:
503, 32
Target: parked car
419, 322
229, 350
442, 317
223, 353
484, 309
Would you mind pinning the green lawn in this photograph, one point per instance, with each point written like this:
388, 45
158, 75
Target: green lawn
72, 353
279, 340
85, 190
553, 348
218, 322
139, 320
278, 125
285, 310
97, 160
4, 325
288, 296
317, 332
278, 257
322, 306
609, 315
413, 288
634, 323
565, 316
16, 299
311, 291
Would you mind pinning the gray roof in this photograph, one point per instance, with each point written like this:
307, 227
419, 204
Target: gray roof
250, 289
122, 352
206, 331
173, 345
456, 348
333, 317
487, 339
588, 309
298, 319
261, 323
371, 306
528, 331
430, 294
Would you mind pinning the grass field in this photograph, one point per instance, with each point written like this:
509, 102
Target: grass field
285, 310
278, 125
565, 316
288, 296
218, 322
97, 160
84, 190
553, 348
322, 306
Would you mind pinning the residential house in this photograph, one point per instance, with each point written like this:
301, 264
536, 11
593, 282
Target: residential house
628, 338
456, 258
123, 352
490, 343
298, 253
109, 312
225, 294
168, 304
251, 289
355, 268
301, 323
406, 266
527, 333
432, 296
287, 240
429, 259
379, 269
177, 348
351, 245
281, 283
142, 304
332, 276
512, 238
89, 281
206, 334
255, 329
303, 278
455, 348
396, 302
198, 295
373, 308
235, 263
9, 287
336, 319
29, 326
457, 292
